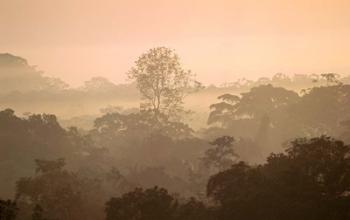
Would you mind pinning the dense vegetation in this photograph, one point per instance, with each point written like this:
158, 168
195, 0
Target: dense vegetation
267, 152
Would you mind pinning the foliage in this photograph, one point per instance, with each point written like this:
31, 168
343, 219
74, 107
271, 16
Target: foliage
8, 210
17, 75
142, 123
38, 213
271, 116
310, 181
59, 193
141, 204
161, 81
256, 103
139, 138
36, 136
154, 203
322, 109
222, 156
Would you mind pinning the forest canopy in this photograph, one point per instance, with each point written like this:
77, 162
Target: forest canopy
271, 148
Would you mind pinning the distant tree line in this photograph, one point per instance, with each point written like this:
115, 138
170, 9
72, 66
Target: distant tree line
149, 164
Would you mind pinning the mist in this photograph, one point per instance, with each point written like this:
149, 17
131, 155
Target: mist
174, 110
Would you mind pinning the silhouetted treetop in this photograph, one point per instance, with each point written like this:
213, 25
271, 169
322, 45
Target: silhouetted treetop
161, 81
311, 180
17, 75
259, 101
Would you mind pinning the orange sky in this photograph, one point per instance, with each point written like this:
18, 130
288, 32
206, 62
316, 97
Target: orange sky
218, 40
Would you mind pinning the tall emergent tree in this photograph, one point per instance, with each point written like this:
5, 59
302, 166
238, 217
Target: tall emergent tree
161, 81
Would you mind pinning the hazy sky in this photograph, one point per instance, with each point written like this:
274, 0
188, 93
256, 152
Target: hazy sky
218, 40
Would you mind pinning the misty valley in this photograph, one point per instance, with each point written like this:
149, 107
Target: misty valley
166, 147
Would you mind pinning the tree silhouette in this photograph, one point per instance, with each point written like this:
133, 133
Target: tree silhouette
149, 204
311, 180
8, 210
258, 102
161, 81
222, 156
59, 193
38, 213
155, 204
